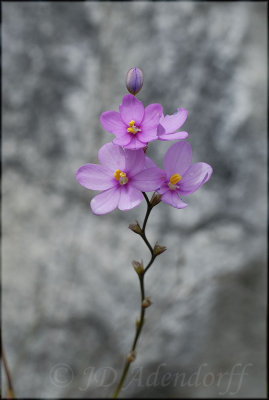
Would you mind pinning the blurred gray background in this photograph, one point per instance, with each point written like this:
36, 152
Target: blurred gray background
70, 295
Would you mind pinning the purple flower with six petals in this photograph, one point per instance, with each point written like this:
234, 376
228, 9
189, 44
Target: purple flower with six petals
170, 123
122, 176
134, 126
182, 178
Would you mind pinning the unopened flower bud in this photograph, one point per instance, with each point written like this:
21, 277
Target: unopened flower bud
146, 302
158, 249
134, 80
138, 267
155, 199
131, 356
136, 228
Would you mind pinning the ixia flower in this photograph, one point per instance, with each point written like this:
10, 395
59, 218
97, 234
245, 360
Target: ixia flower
134, 126
122, 177
182, 177
170, 123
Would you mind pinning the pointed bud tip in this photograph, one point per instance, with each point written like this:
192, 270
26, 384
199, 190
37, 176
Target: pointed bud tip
134, 80
158, 249
146, 302
145, 149
131, 356
138, 266
136, 228
155, 199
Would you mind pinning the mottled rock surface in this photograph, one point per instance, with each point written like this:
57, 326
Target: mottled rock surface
70, 295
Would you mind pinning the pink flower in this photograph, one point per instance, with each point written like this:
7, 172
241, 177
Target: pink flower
121, 177
182, 177
170, 123
134, 126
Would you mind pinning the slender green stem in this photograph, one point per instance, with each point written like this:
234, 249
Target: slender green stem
140, 322
10, 394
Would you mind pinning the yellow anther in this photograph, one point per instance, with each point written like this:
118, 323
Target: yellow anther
131, 130
117, 174
175, 179
121, 177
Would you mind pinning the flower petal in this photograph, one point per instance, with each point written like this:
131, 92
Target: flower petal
122, 140
175, 121
95, 177
160, 130
171, 197
177, 159
130, 197
147, 135
152, 116
106, 201
194, 177
135, 144
148, 180
135, 161
111, 121
112, 156
173, 136
149, 163
163, 188
131, 109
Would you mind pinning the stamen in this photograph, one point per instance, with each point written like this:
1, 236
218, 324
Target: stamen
117, 174
132, 128
175, 179
121, 177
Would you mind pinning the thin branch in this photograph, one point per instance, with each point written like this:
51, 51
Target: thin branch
140, 322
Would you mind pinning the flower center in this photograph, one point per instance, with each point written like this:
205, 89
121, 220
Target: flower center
121, 177
174, 179
132, 128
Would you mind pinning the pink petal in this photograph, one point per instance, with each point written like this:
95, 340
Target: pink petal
147, 135
131, 109
160, 129
171, 197
149, 163
149, 179
135, 144
130, 197
112, 122
173, 136
95, 177
123, 140
112, 156
135, 161
152, 116
175, 121
177, 159
106, 201
163, 188
194, 177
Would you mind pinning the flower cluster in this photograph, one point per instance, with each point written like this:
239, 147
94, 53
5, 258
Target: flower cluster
125, 171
